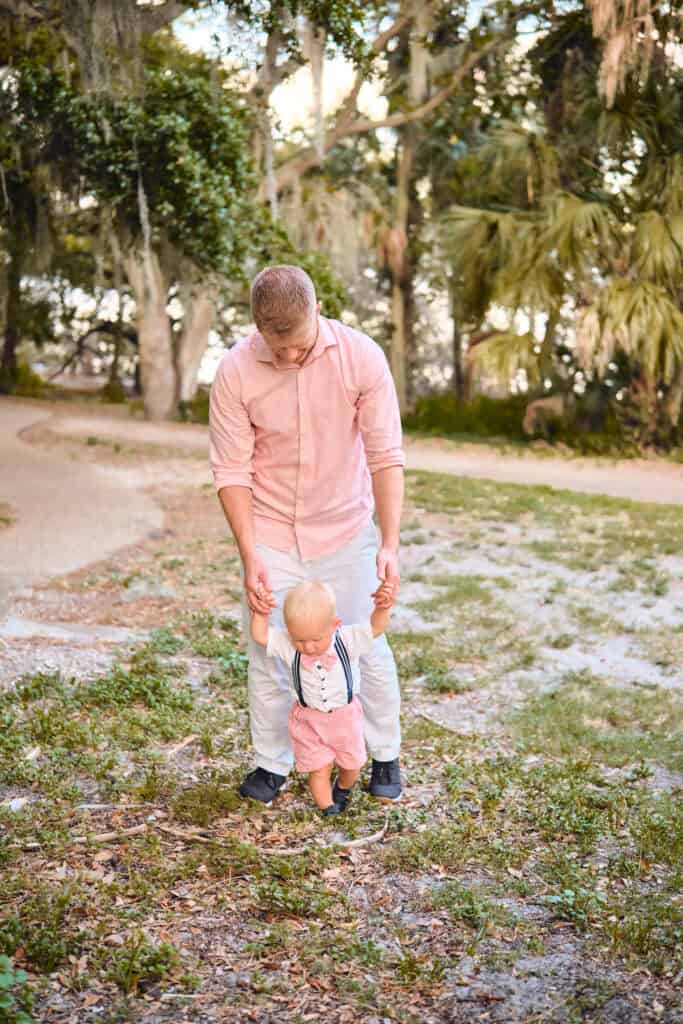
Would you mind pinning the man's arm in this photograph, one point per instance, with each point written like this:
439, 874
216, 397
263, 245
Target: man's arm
387, 488
379, 421
236, 502
231, 449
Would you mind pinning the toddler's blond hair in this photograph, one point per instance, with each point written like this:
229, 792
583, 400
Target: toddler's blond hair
309, 600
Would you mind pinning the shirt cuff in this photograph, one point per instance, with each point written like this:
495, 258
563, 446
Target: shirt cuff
385, 460
232, 478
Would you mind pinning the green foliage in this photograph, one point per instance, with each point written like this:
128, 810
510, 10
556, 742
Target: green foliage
113, 391
23, 382
584, 716
212, 797
146, 681
546, 233
184, 144
139, 963
482, 417
578, 905
49, 927
163, 641
14, 997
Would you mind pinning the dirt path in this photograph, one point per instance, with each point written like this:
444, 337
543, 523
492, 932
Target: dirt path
638, 479
69, 513
66, 513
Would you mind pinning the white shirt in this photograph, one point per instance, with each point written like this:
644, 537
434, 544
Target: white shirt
322, 689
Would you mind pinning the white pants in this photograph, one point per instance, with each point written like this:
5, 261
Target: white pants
351, 572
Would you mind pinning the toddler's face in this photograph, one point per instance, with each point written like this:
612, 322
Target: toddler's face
314, 635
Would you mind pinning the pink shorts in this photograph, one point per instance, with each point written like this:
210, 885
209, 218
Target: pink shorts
319, 737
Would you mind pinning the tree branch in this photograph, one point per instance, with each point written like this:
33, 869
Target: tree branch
343, 127
106, 327
155, 18
23, 9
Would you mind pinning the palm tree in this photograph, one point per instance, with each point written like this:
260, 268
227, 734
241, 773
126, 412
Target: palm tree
584, 225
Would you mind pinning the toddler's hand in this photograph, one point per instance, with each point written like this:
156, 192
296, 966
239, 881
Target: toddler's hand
384, 596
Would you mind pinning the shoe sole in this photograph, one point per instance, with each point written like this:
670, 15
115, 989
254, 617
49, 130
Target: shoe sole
387, 799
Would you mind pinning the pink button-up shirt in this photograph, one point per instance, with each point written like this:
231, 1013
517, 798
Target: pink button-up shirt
306, 438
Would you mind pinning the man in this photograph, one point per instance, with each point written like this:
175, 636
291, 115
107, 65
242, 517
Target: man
305, 431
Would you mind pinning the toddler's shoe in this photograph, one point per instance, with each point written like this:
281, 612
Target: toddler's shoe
341, 796
327, 812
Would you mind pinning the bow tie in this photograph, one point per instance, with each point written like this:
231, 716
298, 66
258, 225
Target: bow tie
328, 661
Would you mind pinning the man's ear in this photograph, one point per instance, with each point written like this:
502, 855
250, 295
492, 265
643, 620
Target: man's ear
318, 307
337, 622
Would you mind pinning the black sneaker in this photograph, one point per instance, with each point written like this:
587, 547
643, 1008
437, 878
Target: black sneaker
327, 812
262, 785
385, 780
341, 796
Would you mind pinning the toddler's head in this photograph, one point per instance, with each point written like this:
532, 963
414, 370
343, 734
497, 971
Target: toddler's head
310, 612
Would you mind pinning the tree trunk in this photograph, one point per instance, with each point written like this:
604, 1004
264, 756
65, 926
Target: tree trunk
674, 400
398, 343
460, 376
401, 271
8, 368
406, 214
199, 312
118, 328
155, 343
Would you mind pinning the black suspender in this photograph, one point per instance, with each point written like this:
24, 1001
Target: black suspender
343, 655
344, 660
296, 679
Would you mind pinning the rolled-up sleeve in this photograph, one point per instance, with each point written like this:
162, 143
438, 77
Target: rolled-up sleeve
379, 418
231, 434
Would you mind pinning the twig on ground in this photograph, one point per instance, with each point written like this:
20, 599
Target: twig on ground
188, 741
285, 851
197, 837
101, 837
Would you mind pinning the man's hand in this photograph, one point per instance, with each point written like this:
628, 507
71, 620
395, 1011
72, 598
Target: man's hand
257, 586
388, 572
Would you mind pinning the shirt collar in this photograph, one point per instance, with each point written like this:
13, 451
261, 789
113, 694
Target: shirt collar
326, 338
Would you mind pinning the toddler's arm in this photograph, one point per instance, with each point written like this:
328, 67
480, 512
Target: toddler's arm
379, 620
259, 628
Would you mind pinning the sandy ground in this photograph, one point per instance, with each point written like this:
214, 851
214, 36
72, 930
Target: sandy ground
66, 513
129, 573
638, 479
69, 511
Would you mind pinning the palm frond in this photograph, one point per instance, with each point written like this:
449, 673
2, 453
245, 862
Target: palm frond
656, 250
640, 318
576, 229
505, 354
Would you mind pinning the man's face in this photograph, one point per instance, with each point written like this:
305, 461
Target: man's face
291, 349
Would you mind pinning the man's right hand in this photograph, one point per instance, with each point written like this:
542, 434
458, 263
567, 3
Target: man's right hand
257, 585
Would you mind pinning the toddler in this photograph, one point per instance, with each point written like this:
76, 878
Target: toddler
326, 719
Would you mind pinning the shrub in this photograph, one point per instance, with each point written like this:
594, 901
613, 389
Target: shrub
24, 382
196, 411
13, 995
482, 416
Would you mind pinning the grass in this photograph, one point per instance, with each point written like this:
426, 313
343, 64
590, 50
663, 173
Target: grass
554, 812
621, 527
587, 717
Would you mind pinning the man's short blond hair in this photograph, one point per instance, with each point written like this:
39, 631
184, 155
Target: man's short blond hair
281, 298
309, 600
